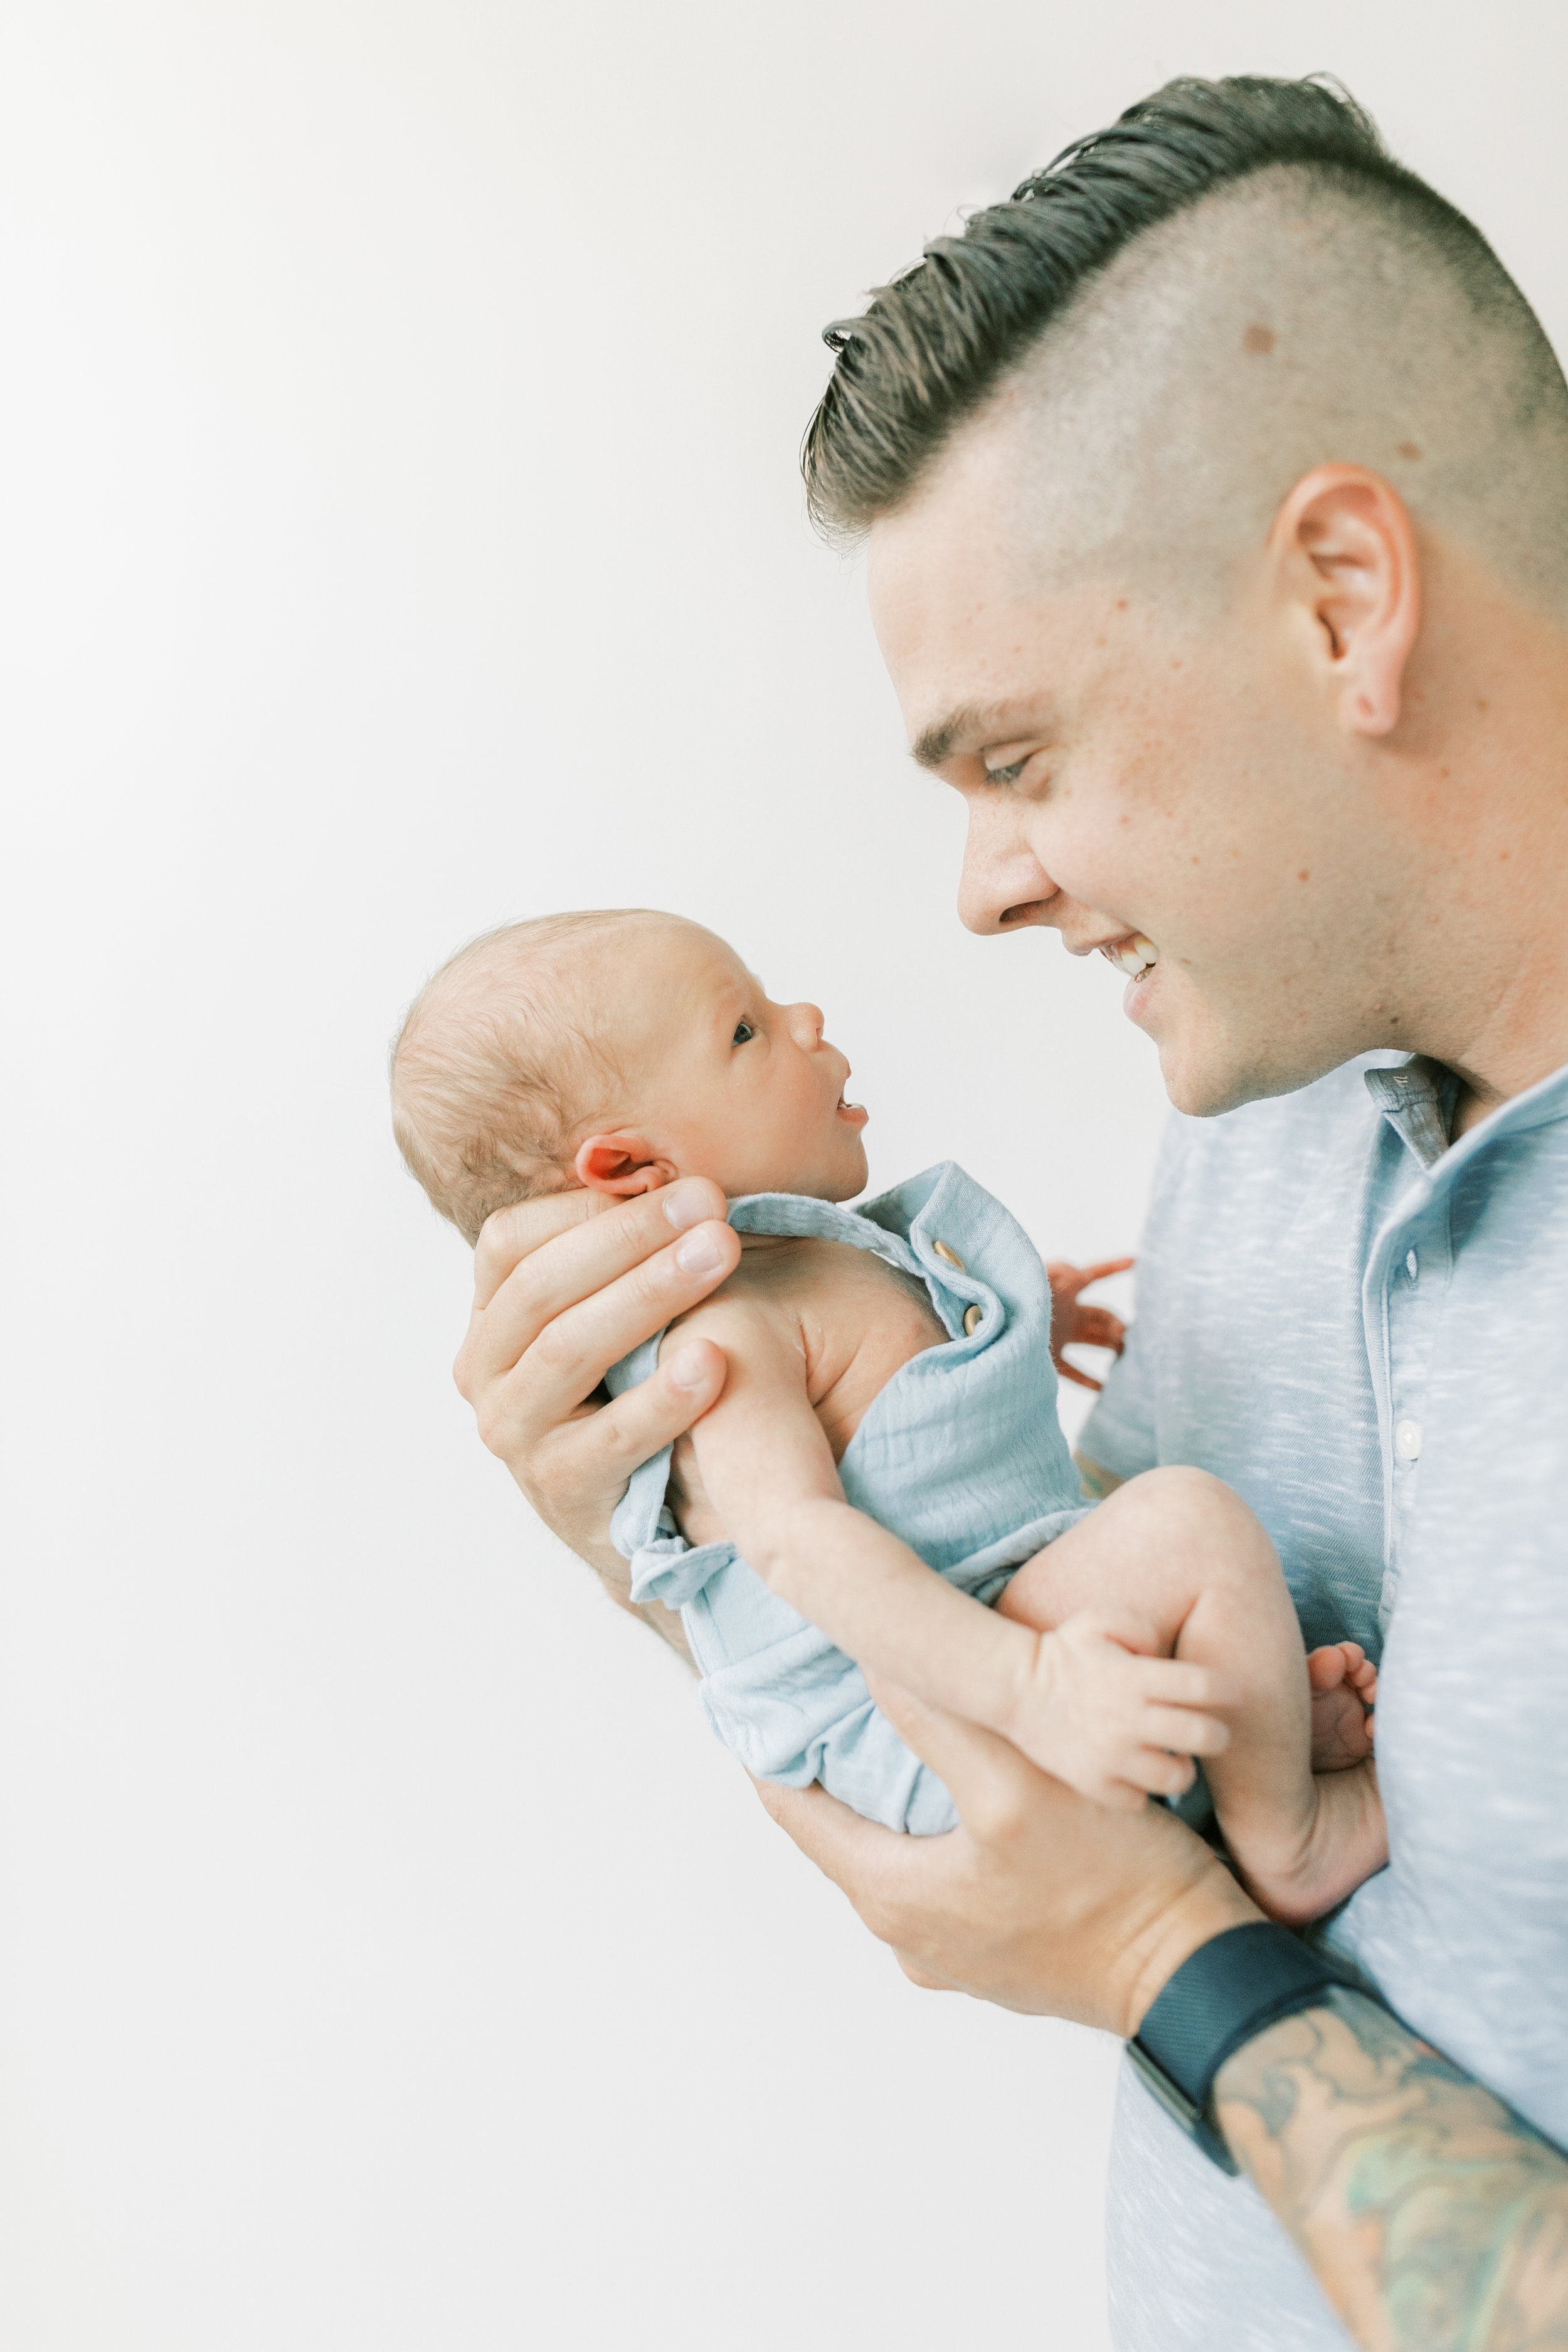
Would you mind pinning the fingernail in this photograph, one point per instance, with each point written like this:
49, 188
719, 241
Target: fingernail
685, 1204
700, 1254
688, 1369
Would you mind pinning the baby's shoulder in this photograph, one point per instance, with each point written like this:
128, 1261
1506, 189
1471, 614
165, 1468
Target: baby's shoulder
808, 1266
843, 1315
820, 1286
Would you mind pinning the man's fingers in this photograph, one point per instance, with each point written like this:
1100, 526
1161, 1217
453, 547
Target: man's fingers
511, 1234
600, 1288
922, 1976
622, 1436
988, 1778
1070, 1373
589, 1249
846, 1848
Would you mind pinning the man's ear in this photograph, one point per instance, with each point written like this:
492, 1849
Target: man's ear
622, 1164
1345, 549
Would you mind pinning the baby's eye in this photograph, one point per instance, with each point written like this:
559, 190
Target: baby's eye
743, 1031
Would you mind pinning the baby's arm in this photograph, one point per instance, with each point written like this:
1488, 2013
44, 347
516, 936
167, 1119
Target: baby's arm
1176, 1561
1073, 1697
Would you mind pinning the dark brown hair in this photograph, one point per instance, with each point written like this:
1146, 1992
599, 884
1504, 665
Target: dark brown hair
933, 343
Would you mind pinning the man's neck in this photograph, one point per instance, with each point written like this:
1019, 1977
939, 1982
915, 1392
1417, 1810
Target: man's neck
1489, 939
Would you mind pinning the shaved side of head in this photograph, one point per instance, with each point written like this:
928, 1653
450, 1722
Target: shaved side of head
1186, 313
1298, 317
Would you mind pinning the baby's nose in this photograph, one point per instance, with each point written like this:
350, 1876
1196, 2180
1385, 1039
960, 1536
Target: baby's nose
806, 1021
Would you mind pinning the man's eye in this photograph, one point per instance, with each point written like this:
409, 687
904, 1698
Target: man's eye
1009, 774
743, 1030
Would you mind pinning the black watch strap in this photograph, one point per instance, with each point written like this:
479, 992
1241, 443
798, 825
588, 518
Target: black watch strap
1224, 1993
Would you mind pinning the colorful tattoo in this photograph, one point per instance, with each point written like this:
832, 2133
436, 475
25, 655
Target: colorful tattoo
1434, 2220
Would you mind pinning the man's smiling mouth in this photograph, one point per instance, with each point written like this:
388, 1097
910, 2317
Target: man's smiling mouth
1135, 955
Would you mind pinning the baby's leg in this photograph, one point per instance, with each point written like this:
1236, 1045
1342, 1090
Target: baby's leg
1174, 1564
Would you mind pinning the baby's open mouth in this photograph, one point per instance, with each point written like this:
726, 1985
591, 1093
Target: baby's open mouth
1135, 955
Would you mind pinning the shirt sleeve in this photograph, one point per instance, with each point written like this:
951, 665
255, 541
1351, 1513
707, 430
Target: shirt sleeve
1122, 1433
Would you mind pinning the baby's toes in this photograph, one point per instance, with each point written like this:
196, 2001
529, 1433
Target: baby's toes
1326, 1667
1340, 1730
1364, 1678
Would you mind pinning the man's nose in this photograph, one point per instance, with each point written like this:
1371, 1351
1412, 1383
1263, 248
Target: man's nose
1002, 886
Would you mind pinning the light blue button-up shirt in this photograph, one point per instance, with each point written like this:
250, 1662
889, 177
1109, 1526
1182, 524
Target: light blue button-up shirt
1365, 1331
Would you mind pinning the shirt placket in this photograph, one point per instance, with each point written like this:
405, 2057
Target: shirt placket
1415, 1280
1407, 1281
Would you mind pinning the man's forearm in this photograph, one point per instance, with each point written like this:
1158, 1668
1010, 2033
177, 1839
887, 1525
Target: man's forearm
1434, 2220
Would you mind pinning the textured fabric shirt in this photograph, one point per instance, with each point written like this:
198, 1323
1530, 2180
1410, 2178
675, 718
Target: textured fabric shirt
1365, 1331
961, 1453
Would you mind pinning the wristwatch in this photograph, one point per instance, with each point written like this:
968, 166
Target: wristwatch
1224, 1993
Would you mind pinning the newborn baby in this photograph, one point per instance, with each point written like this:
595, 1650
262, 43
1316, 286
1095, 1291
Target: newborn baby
893, 1358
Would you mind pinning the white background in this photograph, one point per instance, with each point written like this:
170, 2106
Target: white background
401, 533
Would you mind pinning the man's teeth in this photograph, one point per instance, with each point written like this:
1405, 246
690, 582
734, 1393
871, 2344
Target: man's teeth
1134, 956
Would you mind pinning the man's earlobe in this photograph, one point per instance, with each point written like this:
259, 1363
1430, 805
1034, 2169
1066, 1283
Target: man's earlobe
1348, 548
622, 1164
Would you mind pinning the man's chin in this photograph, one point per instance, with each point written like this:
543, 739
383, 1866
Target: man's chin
1206, 1080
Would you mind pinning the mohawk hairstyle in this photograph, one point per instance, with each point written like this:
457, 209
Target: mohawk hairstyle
934, 342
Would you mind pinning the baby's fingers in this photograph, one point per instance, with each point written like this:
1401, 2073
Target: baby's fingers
1184, 1731
1154, 1774
1171, 1682
1099, 1328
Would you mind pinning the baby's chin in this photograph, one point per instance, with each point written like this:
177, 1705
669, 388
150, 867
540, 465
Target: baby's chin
836, 1178
841, 1183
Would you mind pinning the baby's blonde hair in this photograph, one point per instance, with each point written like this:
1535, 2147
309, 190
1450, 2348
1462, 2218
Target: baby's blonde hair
497, 1066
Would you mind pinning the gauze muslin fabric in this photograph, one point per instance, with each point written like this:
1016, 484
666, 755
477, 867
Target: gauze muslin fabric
961, 1453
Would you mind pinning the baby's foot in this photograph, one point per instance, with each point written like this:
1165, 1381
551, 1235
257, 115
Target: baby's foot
1298, 1876
1344, 1686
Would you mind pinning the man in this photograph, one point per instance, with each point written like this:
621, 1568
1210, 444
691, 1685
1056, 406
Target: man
1217, 498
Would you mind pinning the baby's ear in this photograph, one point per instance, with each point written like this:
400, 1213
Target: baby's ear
622, 1164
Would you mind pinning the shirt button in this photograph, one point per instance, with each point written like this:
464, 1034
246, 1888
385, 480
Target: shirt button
1412, 1264
1407, 1441
972, 1318
949, 1257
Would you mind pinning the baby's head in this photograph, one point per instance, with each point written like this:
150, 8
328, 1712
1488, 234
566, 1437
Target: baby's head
615, 1050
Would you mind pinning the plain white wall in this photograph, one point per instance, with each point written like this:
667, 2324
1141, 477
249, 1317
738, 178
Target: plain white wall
402, 532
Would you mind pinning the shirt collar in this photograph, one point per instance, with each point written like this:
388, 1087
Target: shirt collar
1417, 1097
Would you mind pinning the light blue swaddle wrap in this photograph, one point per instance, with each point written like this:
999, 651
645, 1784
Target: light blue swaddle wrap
961, 1453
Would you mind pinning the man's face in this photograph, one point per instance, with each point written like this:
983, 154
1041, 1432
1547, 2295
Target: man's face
1170, 791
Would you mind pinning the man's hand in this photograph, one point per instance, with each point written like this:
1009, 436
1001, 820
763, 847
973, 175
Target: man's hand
564, 1288
1039, 1900
1073, 1324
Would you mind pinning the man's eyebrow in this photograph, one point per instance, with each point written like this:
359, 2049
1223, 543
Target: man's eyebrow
973, 724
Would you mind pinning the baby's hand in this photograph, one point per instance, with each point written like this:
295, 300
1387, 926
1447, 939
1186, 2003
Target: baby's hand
1074, 1325
1114, 1725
